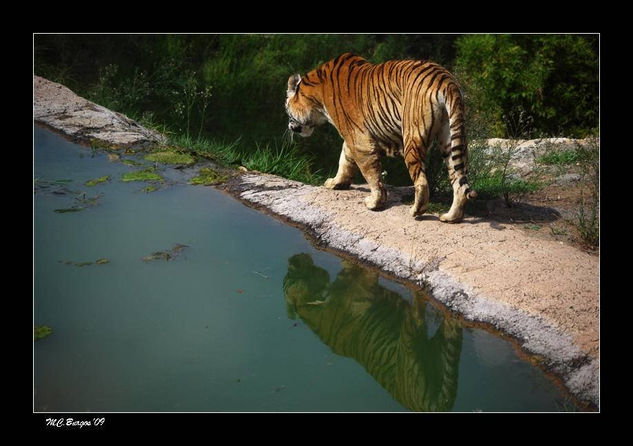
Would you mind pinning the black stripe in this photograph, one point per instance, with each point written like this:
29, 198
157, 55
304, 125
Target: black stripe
456, 148
467, 191
462, 180
456, 157
459, 166
421, 72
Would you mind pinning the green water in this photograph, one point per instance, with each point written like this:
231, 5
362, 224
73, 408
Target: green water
245, 315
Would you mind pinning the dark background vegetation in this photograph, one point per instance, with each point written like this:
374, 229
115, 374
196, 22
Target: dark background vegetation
228, 89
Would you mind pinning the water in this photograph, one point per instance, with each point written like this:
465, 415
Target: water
248, 317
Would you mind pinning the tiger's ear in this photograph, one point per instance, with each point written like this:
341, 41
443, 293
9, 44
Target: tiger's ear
293, 81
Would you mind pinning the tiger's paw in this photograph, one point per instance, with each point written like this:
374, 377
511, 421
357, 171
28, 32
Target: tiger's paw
375, 203
452, 217
416, 212
330, 183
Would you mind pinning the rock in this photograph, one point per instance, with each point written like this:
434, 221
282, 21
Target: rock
58, 107
526, 151
568, 178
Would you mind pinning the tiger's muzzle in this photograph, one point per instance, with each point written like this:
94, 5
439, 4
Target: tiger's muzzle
302, 129
295, 126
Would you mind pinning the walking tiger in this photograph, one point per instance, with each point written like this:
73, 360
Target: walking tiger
394, 108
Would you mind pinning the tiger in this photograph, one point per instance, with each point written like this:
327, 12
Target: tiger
357, 317
396, 108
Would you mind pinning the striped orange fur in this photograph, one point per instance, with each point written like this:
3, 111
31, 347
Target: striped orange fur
395, 108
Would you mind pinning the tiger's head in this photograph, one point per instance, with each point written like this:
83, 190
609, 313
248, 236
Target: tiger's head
303, 106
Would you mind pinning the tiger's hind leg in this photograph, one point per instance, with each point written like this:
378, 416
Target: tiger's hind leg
454, 153
414, 156
347, 168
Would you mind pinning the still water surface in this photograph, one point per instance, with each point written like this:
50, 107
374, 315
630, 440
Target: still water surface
249, 316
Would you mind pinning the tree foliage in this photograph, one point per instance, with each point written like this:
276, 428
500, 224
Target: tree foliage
553, 79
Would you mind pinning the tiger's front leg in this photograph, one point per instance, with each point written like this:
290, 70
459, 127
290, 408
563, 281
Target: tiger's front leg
370, 167
347, 168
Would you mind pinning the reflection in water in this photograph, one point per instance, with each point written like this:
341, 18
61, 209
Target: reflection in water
359, 318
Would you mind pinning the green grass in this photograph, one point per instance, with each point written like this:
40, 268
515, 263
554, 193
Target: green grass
560, 158
495, 186
283, 159
226, 153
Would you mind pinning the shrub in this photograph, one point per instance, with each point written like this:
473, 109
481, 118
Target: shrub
552, 78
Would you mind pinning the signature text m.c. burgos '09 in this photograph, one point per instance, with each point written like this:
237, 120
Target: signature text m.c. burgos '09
74, 422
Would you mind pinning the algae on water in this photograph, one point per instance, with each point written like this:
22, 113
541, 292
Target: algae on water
101, 261
82, 202
95, 181
55, 187
41, 331
170, 157
70, 209
208, 177
150, 188
148, 174
165, 255
130, 162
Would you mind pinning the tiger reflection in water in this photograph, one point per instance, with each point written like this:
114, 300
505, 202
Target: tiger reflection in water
359, 318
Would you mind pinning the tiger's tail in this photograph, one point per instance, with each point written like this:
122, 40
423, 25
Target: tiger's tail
458, 154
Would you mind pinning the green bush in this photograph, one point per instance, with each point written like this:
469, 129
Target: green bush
551, 78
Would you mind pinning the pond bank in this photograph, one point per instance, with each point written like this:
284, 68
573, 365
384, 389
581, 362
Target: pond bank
84, 121
541, 292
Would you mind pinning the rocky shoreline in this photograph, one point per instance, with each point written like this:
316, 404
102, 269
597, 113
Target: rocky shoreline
542, 293
84, 121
